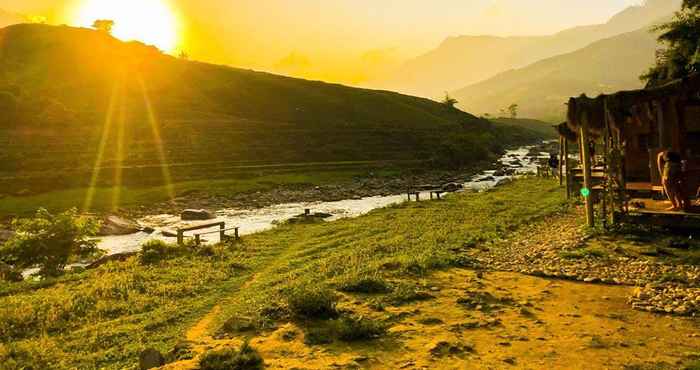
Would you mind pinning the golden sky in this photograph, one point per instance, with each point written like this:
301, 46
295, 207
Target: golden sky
336, 40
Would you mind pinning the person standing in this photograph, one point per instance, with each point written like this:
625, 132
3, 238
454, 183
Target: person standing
671, 169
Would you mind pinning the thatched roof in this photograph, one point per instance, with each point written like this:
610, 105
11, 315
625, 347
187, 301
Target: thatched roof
628, 107
565, 132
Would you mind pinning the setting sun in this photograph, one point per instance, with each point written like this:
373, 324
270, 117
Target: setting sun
150, 21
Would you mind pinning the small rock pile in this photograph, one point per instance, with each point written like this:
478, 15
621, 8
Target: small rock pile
664, 288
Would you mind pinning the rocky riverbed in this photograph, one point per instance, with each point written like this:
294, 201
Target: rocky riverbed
513, 162
560, 248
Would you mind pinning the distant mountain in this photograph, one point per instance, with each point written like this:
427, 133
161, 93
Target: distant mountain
541, 89
464, 60
59, 84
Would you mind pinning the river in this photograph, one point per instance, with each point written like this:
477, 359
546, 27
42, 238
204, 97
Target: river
260, 219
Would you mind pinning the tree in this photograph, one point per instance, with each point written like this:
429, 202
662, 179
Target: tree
183, 55
513, 110
449, 101
680, 55
50, 241
103, 25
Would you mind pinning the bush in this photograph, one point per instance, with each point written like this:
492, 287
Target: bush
353, 329
312, 302
366, 285
154, 251
50, 241
246, 358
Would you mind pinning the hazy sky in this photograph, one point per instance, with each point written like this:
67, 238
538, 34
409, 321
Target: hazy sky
338, 39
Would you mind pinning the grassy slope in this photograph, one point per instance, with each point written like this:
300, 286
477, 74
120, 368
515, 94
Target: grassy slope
106, 316
208, 116
542, 128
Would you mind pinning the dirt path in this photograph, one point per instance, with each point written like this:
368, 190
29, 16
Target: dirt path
519, 322
527, 312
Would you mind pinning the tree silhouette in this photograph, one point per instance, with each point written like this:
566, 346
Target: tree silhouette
681, 54
513, 110
103, 25
449, 101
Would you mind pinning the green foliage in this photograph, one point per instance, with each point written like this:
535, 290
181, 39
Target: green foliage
449, 101
246, 358
353, 329
103, 25
681, 55
365, 284
50, 241
312, 301
462, 149
155, 251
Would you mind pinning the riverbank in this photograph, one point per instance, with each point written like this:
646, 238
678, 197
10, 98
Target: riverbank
417, 276
256, 188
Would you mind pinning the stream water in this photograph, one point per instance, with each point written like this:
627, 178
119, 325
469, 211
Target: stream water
255, 220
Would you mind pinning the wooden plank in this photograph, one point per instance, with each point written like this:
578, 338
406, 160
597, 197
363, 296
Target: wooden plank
202, 226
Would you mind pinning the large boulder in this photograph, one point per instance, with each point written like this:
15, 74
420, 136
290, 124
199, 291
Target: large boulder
197, 215
452, 187
151, 359
115, 225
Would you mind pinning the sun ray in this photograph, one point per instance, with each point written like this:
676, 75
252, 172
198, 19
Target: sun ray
106, 129
164, 165
119, 155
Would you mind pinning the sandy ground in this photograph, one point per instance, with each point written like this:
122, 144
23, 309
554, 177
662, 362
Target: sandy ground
501, 320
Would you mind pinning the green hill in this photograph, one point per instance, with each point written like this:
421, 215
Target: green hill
542, 88
59, 83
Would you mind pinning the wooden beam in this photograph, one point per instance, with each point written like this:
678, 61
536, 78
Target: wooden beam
567, 163
587, 178
561, 160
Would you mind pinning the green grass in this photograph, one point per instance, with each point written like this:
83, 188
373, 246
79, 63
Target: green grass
131, 197
103, 318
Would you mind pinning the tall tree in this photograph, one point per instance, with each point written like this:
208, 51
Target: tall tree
449, 101
680, 55
104, 25
513, 110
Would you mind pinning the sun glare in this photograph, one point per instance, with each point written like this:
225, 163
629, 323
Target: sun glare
150, 21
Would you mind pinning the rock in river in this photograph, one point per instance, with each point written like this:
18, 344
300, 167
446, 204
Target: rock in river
114, 225
196, 215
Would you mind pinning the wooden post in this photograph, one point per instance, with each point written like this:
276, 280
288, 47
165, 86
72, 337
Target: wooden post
236, 235
197, 240
567, 163
180, 237
222, 232
561, 160
587, 180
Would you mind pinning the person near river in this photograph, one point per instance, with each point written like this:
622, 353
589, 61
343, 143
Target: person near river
554, 164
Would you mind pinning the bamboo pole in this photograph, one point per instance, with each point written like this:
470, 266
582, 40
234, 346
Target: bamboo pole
561, 160
567, 163
587, 180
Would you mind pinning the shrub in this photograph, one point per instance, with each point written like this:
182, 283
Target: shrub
312, 302
353, 329
366, 285
154, 251
50, 241
246, 358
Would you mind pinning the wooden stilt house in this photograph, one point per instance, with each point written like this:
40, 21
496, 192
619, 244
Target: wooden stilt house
633, 127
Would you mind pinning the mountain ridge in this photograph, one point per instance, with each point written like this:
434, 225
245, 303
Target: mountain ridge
460, 61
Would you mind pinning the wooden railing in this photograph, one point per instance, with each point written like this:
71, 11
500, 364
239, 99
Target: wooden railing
198, 237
